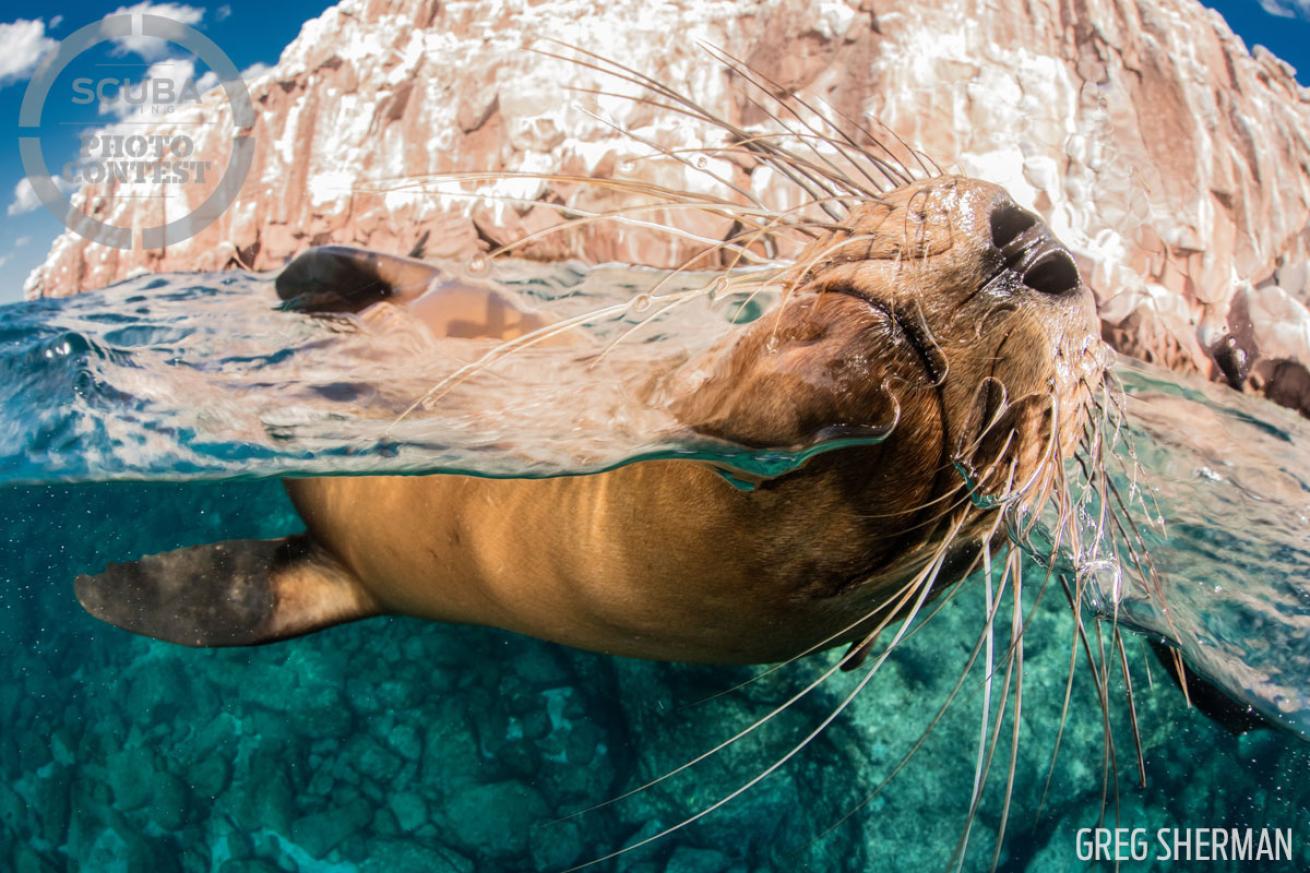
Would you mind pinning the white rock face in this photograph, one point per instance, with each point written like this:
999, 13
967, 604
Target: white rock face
1174, 162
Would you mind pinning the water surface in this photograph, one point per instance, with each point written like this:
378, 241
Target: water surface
395, 744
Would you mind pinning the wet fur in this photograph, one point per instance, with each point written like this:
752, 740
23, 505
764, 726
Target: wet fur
897, 318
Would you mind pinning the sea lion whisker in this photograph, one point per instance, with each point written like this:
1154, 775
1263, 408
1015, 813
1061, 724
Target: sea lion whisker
742, 148
832, 173
744, 732
986, 747
990, 605
894, 164
620, 216
892, 167
781, 218
939, 604
631, 186
508, 347
1016, 633
887, 170
720, 284
891, 605
737, 211
1108, 755
799, 171
914, 153
925, 733
691, 109
754, 77
654, 316
1132, 707
781, 159
962, 496
826, 171
924, 583
439, 390
692, 165
1064, 715
1112, 772
1051, 450
955, 494
801, 269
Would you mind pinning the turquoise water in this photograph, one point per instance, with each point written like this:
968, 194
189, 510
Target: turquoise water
397, 745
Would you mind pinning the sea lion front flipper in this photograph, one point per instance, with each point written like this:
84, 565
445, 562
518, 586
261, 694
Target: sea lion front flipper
235, 593
347, 279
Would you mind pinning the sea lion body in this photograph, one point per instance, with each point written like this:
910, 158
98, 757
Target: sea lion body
907, 319
649, 560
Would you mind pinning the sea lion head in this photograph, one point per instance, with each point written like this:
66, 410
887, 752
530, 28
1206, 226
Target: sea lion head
990, 303
950, 320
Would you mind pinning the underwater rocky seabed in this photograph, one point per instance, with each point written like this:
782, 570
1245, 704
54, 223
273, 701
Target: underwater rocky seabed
398, 745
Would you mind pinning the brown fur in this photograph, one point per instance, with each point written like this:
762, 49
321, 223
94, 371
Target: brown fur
889, 320
912, 320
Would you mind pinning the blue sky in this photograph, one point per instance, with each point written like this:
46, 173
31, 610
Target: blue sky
1282, 26
249, 32
253, 32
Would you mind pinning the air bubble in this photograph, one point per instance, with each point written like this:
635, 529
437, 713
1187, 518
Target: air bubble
640, 303
477, 265
702, 162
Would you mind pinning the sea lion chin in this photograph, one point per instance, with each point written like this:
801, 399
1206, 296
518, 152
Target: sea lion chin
941, 316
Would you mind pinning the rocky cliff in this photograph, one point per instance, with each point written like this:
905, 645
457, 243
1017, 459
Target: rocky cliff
1175, 162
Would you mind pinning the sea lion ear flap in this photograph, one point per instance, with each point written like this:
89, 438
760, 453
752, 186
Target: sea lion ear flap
236, 593
347, 279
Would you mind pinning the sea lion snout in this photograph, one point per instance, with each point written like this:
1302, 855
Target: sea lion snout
1029, 248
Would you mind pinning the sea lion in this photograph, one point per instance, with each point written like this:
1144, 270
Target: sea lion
939, 312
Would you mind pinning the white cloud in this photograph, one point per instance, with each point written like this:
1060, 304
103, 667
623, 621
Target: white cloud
255, 70
178, 71
4, 259
148, 47
22, 241
223, 13
23, 44
209, 80
1287, 8
56, 21
25, 199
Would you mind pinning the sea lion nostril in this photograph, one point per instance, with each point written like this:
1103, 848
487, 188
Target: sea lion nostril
1054, 273
1008, 222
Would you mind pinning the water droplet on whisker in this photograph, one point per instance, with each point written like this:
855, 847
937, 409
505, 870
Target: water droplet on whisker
477, 265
